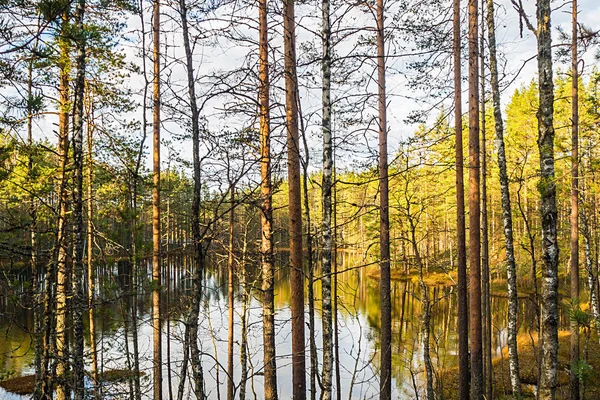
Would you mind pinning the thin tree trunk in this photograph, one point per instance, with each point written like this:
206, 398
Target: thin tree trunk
336, 339
62, 290
156, 237
474, 209
294, 204
574, 206
426, 316
326, 186
461, 249
385, 380
266, 208
511, 269
244, 318
548, 212
35, 287
90, 257
485, 259
230, 298
192, 323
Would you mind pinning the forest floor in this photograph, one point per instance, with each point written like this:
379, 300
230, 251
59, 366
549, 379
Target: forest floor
528, 352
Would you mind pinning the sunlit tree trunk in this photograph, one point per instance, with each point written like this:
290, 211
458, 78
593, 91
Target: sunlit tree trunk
156, 239
474, 209
574, 206
385, 379
461, 249
548, 211
90, 251
511, 269
485, 251
62, 279
266, 209
326, 186
294, 204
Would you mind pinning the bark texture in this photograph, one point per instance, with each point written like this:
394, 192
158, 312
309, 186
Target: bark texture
266, 221
326, 187
511, 268
474, 209
548, 212
294, 203
385, 382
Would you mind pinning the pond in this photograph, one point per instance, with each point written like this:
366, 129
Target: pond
357, 325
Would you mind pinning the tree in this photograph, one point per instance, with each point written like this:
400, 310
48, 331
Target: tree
548, 211
461, 248
79, 303
511, 269
574, 205
156, 236
385, 383
474, 208
295, 203
266, 209
326, 190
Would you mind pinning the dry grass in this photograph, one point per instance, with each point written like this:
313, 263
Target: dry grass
529, 369
22, 385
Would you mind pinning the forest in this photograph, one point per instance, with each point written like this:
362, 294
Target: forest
255, 199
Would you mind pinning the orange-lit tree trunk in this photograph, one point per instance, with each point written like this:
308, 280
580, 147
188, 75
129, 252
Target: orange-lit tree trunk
474, 208
461, 249
294, 204
574, 206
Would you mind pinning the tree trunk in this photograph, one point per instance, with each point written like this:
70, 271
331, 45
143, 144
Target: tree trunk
90, 257
230, 297
548, 212
574, 207
511, 269
79, 301
266, 208
294, 204
326, 186
385, 380
474, 208
461, 249
192, 322
156, 237
33, 259
62, 282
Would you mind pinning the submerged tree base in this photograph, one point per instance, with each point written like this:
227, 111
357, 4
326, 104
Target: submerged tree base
529, 369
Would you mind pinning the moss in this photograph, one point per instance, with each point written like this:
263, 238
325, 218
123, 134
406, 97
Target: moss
22, 385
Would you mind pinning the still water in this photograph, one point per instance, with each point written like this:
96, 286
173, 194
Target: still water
358, 331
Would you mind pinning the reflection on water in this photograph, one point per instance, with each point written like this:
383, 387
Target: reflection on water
358, 328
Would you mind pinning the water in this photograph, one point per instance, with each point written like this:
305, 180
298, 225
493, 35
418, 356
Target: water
358, 328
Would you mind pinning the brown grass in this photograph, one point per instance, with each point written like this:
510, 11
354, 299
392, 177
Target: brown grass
22, 385
529, 369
